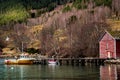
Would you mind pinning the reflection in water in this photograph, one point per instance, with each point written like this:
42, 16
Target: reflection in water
108, 72
21, 72
48, 72
56, 72
118, 72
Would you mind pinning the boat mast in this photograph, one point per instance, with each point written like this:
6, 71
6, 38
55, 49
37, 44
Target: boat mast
22, 46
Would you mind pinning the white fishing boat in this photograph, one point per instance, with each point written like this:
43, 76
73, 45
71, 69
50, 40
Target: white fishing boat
23, 59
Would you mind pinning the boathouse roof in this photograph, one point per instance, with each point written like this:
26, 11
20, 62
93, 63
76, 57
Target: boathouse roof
115, 34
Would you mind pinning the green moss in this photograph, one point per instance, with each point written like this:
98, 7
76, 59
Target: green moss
32, 50
115, 34
103, 2
66, 8
80, 4
12, 11
14, 14
17, 10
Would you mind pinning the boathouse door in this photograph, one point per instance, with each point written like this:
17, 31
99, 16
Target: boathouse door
109, 54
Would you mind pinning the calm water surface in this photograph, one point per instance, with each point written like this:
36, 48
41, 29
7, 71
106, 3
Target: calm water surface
57, 72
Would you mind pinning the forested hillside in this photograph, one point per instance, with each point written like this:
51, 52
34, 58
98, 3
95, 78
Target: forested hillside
63, 28
19, 10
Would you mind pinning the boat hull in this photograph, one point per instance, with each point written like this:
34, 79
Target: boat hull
10, 62
52, 61
18, 62
25, 62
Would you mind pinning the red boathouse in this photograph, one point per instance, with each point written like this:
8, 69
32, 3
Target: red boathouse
109, 45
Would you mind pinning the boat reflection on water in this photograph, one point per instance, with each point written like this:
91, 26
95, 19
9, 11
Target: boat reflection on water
21, 72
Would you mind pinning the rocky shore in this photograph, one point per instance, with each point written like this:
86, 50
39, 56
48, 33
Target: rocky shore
113, 61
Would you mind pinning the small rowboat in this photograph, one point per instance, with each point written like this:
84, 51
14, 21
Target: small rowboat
52, 61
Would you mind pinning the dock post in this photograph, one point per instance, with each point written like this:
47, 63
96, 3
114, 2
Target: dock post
72, 61
77, 62
67, 62
44, 62
83, 62
60, 62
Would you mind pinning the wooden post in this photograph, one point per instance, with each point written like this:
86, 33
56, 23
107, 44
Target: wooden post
82, 62
67, 62
44, 62
72, 61
77, 62
60, 62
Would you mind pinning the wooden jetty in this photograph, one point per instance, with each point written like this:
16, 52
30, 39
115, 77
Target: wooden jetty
72, 61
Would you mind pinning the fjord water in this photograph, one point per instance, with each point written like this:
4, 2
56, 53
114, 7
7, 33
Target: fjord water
58, 72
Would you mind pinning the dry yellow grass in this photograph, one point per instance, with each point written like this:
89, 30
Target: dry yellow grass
8, 51
35, 44
36, 28
59, 34
115, 24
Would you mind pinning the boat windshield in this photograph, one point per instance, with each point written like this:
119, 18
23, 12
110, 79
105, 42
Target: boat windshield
23, 56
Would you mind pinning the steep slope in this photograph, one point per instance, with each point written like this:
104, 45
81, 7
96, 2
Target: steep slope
69, 30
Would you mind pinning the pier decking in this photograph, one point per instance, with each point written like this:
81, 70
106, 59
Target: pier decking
72, 61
